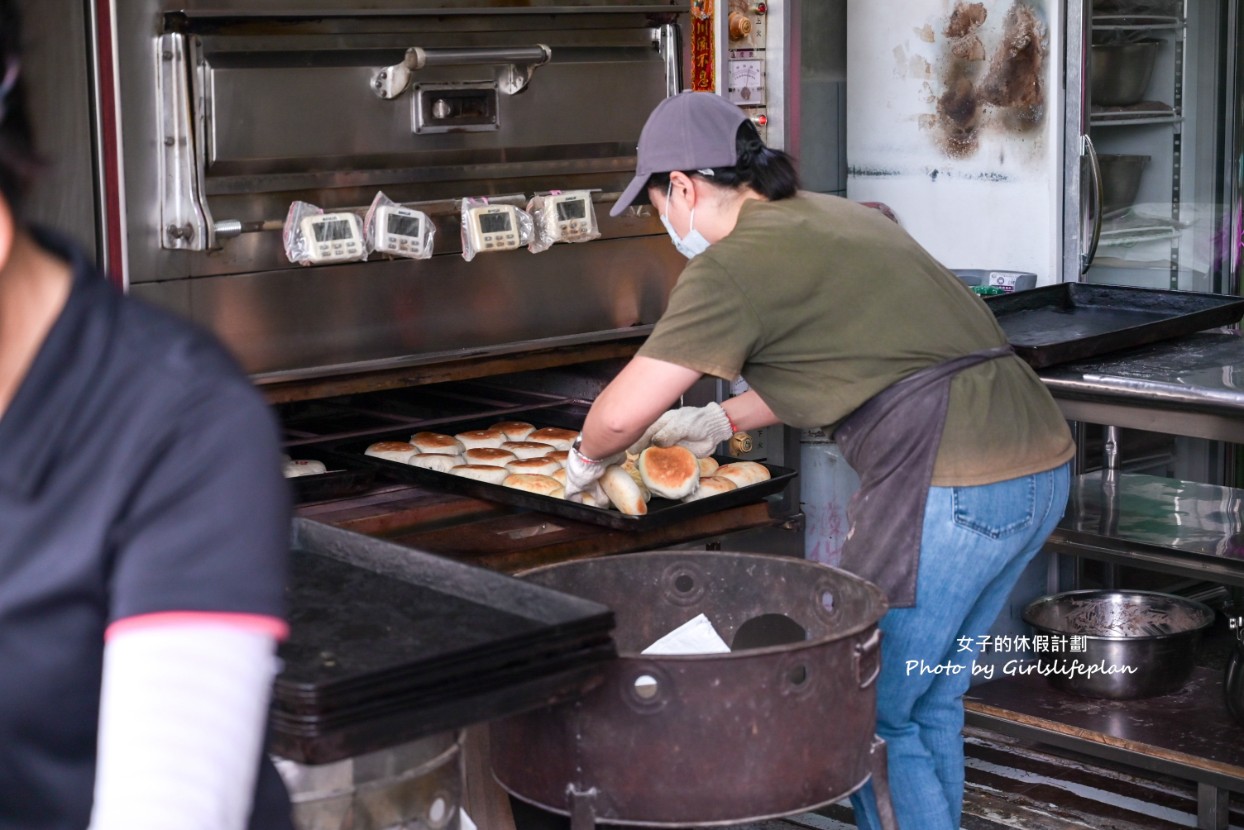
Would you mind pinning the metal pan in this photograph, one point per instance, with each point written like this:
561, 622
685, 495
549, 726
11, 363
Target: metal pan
1073, 321
345, 476
661, 511
351, 680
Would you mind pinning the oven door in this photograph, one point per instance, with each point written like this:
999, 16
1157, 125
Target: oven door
234, 113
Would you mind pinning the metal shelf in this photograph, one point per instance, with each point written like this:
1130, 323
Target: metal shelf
1182, 528
1133, 119
1178, 527
1169, 735
1136, 23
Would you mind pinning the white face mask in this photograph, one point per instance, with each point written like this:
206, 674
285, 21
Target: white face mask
694, 242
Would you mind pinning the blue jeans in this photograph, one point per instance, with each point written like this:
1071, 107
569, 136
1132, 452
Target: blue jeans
976, 543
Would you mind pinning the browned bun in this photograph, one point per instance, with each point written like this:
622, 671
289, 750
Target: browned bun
526, 449
541, 485
391, 450
744, 473
560, 475
559, 456
481, 472
711, 486
623, 491
632, 467
708, 466
476, 438
534, 466
672, 472
489, 455
435, 442
514, 430
554, 436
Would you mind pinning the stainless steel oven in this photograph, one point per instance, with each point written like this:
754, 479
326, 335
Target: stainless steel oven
202, 121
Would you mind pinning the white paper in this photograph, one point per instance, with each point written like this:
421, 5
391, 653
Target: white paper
696, 636
464, 821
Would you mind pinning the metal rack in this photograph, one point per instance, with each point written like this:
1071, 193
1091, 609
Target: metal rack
1148, 113
1182, 387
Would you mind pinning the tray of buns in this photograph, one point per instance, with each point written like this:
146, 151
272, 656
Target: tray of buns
520, 462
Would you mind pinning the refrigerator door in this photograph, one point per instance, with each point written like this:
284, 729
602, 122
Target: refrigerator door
1158, 109
955, 119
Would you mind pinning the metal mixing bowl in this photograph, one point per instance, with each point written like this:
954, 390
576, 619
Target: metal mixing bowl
1134, 643
1120, 71
1120, 180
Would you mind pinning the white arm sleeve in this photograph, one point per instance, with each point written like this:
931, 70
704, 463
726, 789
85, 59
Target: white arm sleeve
182, 716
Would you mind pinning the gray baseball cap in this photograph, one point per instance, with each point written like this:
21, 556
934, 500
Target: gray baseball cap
687, 131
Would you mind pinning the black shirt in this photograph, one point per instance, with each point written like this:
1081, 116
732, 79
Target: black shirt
139, 473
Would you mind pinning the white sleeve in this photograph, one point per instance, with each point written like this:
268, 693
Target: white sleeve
182, 716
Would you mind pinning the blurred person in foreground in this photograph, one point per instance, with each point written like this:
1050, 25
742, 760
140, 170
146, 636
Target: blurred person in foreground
143, 544
838, 319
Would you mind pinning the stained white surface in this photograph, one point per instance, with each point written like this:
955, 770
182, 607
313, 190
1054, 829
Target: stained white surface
995, 206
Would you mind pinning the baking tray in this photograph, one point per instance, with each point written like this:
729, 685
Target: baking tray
661, 511
1073, 321
319, 745
345, 476
357, 634
368, 664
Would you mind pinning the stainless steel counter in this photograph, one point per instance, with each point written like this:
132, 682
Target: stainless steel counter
1192, 386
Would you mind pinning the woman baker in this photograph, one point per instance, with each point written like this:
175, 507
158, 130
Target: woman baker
837, 319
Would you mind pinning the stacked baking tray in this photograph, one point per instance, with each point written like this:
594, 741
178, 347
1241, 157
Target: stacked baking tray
389, 644
1074, 321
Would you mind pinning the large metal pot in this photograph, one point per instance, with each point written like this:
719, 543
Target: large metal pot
1120, 180
1120, 71
781, 724
1118, 644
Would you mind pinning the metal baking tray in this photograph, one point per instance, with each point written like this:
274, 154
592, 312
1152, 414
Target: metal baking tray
345, 476
366, 666
660, 511
1073, 321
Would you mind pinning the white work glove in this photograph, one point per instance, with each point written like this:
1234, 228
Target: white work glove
698, 428
583, 477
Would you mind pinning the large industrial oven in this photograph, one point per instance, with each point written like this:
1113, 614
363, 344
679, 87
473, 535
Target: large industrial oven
199, 124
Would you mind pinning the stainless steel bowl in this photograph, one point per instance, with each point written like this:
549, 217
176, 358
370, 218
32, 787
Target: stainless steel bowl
1120, 72
1133, 644
1120, 180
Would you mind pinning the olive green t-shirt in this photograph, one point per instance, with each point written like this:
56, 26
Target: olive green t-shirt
821, 303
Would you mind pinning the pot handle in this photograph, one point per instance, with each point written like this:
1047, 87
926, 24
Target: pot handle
868, 659
1086, 258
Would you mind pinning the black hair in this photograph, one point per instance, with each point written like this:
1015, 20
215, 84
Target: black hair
18, 160
769, 172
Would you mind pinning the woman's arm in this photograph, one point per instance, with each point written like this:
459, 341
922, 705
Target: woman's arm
748, 411
181, 724
642, 391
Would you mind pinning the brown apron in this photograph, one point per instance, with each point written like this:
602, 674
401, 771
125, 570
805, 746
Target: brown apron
892, 442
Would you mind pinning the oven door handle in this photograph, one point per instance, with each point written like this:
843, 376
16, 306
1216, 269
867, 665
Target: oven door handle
515, 66
668, 41
185, 221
